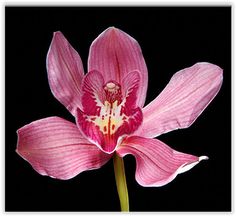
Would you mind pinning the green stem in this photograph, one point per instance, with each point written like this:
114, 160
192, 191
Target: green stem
121, 182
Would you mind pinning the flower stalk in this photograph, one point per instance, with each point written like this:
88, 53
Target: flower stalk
121, 185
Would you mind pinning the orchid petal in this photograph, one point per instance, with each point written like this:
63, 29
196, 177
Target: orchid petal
103, 121
131, 84
65, 72
184, 98
55, 147
93, 93
156, 163
114, 53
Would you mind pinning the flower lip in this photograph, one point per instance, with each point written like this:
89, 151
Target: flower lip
110, 109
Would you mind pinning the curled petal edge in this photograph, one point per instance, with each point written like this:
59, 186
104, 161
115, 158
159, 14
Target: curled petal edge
156, 163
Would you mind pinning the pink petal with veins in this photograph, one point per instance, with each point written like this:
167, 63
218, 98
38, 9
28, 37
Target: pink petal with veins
109, 111
114, 53
93, 93
130, 85
156, 163
184, 98
55, 147
65, 72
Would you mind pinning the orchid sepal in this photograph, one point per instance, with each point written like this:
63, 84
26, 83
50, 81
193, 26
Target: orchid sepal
182, 101
156, 163
52, 145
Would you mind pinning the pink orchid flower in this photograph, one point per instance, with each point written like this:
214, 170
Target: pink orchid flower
107, 104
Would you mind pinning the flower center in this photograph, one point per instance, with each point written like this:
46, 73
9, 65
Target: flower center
113, 92
109, 110
111, 113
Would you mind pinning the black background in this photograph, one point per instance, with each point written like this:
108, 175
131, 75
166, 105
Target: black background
171, 39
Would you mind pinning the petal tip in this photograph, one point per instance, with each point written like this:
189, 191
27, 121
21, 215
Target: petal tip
112, 29
214, 67
57, 33
202, 158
